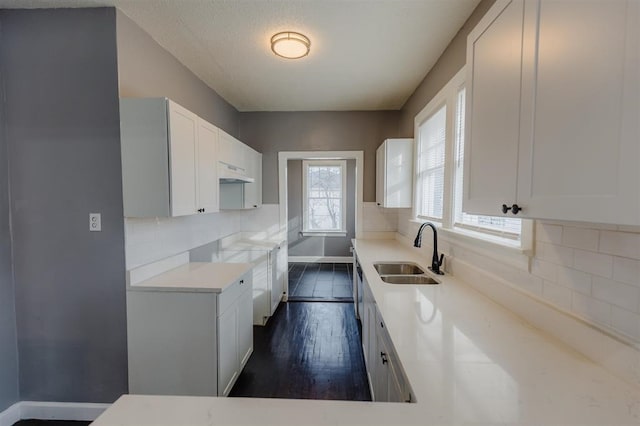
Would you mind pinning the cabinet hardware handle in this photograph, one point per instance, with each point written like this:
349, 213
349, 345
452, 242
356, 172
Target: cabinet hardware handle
384, 357
241, 282
381, 324
255, 206
514, 208
204, 210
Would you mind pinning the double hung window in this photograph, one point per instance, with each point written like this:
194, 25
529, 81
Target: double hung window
324, 190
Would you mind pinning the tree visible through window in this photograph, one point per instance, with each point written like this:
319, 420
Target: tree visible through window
324, 190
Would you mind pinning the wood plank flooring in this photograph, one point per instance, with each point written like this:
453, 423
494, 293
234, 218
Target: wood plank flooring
321, 281
307, 350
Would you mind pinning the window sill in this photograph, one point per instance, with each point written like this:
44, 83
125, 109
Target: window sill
516, 256
324, 233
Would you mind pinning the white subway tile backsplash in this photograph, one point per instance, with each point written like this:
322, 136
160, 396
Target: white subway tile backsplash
556, 294
626, 322
593, 263
626, 270
624, 295
624, 244
576, 280
581, 238
591, 309
554, 253
549, 233
545, 270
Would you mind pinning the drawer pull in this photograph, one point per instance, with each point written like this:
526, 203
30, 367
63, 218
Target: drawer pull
384, 357
241, 282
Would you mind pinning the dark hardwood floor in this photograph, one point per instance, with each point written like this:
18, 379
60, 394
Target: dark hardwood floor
307, 350
321, 281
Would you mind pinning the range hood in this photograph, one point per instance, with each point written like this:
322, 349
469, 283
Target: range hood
232, 174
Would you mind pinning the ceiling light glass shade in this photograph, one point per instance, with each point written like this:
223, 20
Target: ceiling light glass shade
290, 45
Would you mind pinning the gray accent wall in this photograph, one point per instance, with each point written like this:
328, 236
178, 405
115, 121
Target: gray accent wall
272, 132
449, 63
317, 246
146, 69
9, 391
62, 129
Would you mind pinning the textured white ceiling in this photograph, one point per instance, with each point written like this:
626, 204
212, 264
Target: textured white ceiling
365, 54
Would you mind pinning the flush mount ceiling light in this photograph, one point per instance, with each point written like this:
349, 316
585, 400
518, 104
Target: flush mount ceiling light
290, 45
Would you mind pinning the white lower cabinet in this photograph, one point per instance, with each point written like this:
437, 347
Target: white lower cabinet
235, 337
189, 343
387, 381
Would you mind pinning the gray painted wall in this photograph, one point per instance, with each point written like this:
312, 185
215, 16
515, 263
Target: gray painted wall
450, 62
8, 340
317, 246
271, 132
62, 118
146, 69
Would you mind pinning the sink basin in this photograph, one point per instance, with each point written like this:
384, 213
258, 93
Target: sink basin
409, 279
398, 268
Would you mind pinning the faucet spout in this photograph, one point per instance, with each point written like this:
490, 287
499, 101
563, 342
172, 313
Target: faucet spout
436, 260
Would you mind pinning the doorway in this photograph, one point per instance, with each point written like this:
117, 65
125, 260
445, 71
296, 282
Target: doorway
321, 209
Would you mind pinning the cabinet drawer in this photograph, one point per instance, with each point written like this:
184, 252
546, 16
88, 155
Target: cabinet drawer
231, 293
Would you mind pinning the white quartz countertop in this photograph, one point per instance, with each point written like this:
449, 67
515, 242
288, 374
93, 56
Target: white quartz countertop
195, 276
469, 361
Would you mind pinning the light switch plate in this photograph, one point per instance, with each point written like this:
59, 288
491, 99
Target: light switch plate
95, 222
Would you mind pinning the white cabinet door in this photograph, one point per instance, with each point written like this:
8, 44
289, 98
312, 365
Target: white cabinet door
182, 159
253, 191
380, 184
583, 151
227, 350
494, 69
381, 380
276, 283
207, 167
394, 173
231, 151
244, 312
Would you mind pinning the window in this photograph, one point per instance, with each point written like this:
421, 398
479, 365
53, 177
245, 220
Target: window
324, 190
430, 167
440, 167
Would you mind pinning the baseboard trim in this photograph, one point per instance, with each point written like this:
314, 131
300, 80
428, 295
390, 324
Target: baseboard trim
320, 259
81, 411
11, 415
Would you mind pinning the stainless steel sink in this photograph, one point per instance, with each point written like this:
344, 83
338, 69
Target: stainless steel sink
409, 279
398, 268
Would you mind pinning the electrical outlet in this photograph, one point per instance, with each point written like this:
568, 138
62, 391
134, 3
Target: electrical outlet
95, 222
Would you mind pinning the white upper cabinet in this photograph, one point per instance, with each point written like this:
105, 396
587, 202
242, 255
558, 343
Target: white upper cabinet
494, 58
207, 167
231, 151
394, 173
553, 111
169, 160
253, 191
183, 134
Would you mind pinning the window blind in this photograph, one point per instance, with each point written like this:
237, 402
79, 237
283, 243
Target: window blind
431, 157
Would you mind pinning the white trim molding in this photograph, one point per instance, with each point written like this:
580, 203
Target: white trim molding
320, 259
80, 411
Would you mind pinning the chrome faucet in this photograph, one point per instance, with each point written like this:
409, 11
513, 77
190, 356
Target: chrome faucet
436, 262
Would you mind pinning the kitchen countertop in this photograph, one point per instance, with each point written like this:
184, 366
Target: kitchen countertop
195, 276
468, 360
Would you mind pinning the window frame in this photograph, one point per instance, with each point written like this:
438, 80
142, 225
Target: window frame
510, 250
305, 198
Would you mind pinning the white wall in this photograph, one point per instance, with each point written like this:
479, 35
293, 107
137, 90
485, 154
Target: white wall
149, 240
590, 271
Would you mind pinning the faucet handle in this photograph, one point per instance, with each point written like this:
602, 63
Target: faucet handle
441, 259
